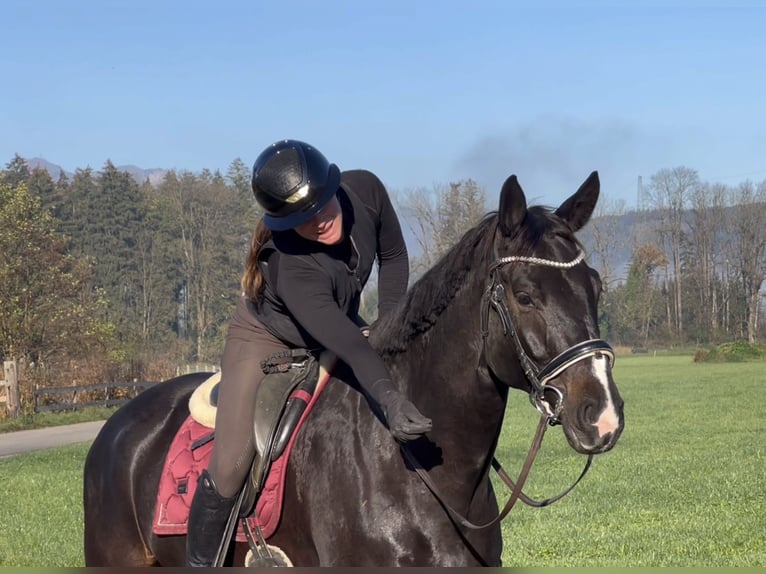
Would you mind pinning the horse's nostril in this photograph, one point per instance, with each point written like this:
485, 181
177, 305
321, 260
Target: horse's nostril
587, 412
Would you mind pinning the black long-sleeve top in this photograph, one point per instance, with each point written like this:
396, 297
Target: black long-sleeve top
312, 291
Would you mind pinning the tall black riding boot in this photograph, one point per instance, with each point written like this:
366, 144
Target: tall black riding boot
208, 515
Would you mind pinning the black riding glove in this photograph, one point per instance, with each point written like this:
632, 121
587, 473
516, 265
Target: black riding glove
404, 420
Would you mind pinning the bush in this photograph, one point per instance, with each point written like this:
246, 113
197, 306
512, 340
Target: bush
736, 352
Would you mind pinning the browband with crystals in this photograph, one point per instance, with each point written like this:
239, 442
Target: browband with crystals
539, 261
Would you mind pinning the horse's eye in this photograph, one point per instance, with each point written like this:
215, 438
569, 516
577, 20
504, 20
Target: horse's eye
524, 300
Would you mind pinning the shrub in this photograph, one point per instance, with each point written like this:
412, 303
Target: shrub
735, 352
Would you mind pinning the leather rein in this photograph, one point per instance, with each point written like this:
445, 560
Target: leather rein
494, 298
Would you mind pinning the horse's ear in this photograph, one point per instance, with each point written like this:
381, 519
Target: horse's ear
513, 207
577, 209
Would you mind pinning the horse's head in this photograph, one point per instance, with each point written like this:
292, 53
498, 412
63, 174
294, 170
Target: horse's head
540, 320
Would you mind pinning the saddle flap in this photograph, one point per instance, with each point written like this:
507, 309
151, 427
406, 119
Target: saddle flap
272, 398
281, 401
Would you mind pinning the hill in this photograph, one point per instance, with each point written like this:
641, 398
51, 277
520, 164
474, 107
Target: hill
154, 175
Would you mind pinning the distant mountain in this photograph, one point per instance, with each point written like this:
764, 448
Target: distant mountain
154, 175
53, 169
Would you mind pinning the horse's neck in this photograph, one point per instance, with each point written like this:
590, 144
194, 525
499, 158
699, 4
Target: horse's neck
443, 375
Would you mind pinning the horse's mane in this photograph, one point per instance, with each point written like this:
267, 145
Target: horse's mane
432, 293
427, 298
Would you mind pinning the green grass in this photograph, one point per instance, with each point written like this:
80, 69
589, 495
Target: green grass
683, 487
50, 419
41, 508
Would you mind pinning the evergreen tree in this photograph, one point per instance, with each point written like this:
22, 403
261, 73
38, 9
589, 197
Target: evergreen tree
115, 218
16, 171
41, 185
159, 269
74, 213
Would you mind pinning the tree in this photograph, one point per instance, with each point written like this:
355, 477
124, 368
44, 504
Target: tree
115, 216
41, 185
73, 215
669, 192
239, 176
637, 310
439, 218
211, 216
16, 172
748, 236
158, 269
703, 256
607, 238
46, 307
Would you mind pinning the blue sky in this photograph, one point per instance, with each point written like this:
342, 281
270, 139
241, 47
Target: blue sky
421, 92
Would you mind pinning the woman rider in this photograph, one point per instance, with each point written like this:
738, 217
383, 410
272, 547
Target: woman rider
310, 257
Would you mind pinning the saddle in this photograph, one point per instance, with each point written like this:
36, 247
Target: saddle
283, 396
293, 382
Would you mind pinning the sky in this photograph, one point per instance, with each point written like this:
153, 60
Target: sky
421, 92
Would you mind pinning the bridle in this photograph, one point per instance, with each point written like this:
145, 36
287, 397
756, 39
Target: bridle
494, 298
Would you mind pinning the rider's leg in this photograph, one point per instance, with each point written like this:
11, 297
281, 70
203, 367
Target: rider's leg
247, 344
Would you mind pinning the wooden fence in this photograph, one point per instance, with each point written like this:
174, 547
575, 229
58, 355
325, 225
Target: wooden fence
108, 394
81, 397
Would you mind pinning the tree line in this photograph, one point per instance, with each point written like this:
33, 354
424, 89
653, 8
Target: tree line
106, 278
697, 263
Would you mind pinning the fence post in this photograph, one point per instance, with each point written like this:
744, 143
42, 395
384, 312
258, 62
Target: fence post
12, 381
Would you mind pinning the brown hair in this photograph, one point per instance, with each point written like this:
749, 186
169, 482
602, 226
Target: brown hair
252, 278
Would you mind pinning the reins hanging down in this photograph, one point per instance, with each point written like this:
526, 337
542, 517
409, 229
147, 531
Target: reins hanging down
516, 488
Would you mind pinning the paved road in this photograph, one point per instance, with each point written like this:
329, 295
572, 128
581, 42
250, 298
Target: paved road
27, 440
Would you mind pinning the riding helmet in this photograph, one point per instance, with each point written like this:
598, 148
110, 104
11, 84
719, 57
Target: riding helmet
292, 182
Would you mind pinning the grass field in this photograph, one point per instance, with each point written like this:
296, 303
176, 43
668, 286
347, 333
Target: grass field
683, 487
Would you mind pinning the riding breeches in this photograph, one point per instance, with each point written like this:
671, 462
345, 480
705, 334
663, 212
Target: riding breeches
248, 343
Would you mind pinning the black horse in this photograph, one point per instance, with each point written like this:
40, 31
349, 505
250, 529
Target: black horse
512, 304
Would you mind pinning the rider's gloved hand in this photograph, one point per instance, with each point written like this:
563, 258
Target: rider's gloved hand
404, 420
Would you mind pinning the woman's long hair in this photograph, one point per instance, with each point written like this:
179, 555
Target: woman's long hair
252, 278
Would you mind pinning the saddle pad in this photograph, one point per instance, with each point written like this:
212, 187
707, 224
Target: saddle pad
183, 466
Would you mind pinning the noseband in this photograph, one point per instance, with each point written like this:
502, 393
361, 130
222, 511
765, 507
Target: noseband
494, 298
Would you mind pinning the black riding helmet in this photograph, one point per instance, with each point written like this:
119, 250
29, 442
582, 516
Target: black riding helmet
292, 182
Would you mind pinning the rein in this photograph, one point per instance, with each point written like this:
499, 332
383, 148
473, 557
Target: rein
494, 298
